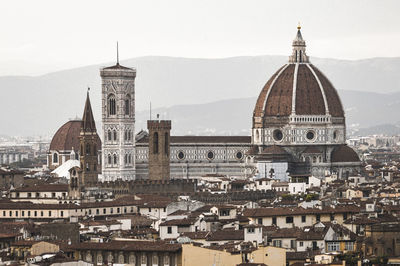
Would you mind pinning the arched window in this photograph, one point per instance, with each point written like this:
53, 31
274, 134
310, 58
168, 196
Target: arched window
88, 257
130, 135
99, 259
166, 145
121, 259
109, 159
115, 134
132, 259
109, 135
129, 158
127, 105
55, 157
115, 159
94, 149
111, 107
155, 143
126, 135
87, 149
126, 159
110, 258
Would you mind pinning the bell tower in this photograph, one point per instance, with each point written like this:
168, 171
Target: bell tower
118, 117
159, 149
88, 139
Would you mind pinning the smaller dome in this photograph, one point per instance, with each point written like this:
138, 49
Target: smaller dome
343, 154
67, 136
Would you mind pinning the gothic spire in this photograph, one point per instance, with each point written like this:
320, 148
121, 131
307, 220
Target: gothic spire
299, 49
88, 124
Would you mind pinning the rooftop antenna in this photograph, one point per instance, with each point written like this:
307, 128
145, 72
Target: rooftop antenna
117, 54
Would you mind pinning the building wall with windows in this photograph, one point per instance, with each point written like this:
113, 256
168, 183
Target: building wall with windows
195, 156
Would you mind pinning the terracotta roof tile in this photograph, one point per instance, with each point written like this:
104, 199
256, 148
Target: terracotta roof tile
344, 153
128, 246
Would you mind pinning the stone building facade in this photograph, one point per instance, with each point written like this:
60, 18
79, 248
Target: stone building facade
300, 112
298, 127
88, 146
118, 117
195, 156
159, 149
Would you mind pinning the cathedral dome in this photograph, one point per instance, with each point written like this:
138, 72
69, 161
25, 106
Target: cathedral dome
67, 136
298, 105
298, 89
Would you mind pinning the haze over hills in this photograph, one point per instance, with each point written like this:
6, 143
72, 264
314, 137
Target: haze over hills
201, 96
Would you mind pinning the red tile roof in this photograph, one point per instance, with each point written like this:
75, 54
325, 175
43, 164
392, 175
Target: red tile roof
128, 246
344, 153
242, 140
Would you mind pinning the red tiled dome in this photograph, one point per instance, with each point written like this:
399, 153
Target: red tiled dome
313, 93
344, 153
67, 137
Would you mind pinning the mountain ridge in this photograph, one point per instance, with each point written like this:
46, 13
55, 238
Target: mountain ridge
41, 104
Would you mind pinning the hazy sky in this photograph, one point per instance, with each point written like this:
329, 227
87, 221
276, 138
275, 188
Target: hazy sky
45, 36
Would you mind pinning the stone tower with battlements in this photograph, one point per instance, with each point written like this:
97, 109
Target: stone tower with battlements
159, 149
118, 117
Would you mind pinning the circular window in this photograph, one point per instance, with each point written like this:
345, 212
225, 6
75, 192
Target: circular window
210, 155
278, 135
181, 155
239, 155
310, 135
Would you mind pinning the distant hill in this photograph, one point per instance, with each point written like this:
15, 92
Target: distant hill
196, 93
365, 114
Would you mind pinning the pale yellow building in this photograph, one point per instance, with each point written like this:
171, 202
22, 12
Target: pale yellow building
199, 256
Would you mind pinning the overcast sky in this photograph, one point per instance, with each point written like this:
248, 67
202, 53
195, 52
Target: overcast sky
44, 36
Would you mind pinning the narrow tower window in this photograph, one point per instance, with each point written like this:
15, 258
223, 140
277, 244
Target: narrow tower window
115, 159
111, 105
127, 105
166, 145
109, 159
115, 134
155, 143
109, 135
87, 149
